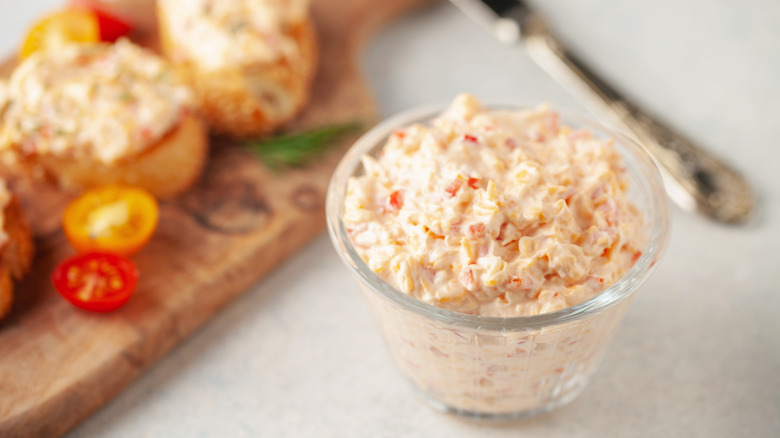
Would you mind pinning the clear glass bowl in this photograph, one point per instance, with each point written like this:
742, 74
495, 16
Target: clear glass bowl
500, 368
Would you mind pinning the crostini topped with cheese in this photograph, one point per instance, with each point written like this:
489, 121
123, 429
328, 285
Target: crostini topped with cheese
250, 62
100, 101
89, 114
218, 34
16, 247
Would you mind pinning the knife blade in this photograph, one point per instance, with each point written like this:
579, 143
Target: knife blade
695, 179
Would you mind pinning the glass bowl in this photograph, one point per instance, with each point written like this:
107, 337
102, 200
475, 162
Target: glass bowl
493, 367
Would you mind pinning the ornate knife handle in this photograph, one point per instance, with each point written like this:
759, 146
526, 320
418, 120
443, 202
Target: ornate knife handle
695, 179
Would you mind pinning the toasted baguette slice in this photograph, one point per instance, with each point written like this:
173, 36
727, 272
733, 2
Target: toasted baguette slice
249, 100
16, 255
165, 169
130, 119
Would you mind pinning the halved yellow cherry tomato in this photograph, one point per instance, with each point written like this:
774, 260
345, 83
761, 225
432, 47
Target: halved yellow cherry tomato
61, 28
114, 218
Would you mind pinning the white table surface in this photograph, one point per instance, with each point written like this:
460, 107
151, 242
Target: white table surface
698, 354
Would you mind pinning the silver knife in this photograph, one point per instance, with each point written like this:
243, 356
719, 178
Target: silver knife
693, 178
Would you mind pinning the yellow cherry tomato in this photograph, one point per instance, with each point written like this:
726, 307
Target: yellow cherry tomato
61, 28
114, 218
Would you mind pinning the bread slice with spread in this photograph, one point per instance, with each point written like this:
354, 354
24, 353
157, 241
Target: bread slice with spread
93, 114
250, 62
16, 247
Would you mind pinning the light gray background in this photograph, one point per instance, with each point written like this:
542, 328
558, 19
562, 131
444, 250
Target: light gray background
698, 354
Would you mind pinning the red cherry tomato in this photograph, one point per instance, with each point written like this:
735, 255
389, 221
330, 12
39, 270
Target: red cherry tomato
111, 27
96, 281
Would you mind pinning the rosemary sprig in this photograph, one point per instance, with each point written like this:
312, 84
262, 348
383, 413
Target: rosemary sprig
297, 149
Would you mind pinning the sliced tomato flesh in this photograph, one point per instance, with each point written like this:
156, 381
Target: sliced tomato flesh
96, 281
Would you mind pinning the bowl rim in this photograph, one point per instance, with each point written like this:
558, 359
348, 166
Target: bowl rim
618, 291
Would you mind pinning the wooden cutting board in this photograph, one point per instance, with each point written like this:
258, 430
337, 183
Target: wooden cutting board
58, 364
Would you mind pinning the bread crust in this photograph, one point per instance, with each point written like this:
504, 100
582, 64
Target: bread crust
16, 255
250, 100
165, 169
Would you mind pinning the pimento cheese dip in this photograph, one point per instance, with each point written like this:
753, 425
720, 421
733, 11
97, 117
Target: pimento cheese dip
500, 213
91, 101
495, 212
229, 33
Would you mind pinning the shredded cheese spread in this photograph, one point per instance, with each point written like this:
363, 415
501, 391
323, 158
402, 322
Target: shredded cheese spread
495, 212
228, 33
91, 101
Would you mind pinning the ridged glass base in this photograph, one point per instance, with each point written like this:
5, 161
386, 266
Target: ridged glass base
494, 417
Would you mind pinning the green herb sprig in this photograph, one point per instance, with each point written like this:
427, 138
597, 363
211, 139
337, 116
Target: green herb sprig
298, 149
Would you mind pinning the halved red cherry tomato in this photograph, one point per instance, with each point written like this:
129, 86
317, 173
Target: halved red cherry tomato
96, 281
111, 27
114, 218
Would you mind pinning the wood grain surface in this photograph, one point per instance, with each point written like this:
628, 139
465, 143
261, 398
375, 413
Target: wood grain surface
58, 364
